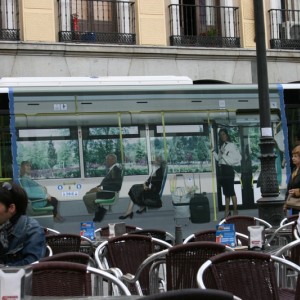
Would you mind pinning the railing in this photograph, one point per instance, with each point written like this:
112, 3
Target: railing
9, 20
204, 26
97, 21
284, 29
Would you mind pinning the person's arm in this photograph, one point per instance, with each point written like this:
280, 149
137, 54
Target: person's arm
216, 156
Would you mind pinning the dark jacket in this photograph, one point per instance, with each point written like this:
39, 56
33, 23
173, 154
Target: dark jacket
27, 244
113, 180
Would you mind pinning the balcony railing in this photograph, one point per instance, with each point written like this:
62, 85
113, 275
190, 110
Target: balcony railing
204, 26
97, 21
9, 20
284, 29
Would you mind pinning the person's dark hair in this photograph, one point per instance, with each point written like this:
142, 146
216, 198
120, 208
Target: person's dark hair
224, 130
11, 193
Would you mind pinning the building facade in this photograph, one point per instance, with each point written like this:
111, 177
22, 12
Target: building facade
206, 40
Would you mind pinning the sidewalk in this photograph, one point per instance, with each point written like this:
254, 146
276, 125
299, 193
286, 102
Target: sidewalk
154, 219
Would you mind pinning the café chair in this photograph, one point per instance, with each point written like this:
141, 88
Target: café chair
58, 279
241, 223
66, 242
210, 235
181, 265
76, 257
203, 235
191, 294
246, 274
124, 255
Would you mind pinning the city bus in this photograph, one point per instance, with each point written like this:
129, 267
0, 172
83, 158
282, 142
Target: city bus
65, 127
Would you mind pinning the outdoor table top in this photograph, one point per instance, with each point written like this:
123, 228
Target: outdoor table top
132, 297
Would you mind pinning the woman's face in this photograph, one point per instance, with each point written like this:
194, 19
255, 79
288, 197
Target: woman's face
223, 136
296, 159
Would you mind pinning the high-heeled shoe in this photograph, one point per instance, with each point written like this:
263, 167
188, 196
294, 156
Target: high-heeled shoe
140, 211
130, 215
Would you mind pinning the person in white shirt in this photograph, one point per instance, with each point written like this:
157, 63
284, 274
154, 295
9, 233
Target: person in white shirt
227, 157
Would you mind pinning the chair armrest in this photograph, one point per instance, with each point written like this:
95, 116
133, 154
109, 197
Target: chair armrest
128, 277
268, 241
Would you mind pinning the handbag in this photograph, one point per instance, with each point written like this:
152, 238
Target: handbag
293, 202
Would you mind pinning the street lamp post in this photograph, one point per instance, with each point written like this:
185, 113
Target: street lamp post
270, 206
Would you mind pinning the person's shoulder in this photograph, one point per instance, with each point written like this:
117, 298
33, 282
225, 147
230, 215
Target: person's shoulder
31, 221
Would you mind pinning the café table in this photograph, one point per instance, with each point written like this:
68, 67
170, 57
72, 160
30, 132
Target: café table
132, 297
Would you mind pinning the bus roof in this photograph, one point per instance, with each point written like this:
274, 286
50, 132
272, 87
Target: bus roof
94, 81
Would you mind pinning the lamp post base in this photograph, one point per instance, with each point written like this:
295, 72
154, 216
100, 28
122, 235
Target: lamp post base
270, 209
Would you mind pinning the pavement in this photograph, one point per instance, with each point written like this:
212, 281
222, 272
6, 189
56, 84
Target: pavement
151, 219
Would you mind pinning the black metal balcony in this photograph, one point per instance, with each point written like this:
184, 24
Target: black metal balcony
9, 20
204, 26
97, 21
284, 29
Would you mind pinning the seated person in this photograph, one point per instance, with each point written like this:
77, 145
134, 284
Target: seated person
22, 239
111, 182
36, 191
149, 191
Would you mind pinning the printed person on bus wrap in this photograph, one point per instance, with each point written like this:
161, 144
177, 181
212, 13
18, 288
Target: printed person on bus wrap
141, 194
110, 184
35, 190
22, 239
227, 157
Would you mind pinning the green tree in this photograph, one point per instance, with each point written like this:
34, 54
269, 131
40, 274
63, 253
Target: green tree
52, 155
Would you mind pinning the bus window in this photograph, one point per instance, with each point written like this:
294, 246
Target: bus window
188, 147
52, 152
